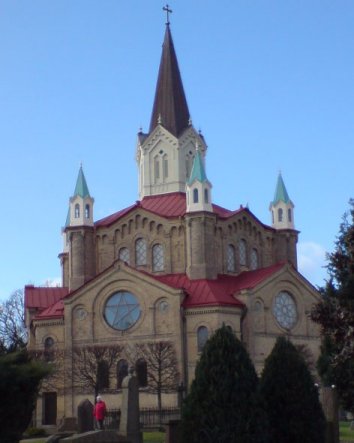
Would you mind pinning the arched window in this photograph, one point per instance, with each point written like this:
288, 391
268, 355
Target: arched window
77, 210
157, 168
157, 258
280, 215
124, 255
140, 252
258, 306
195, 195
254, 259
141, 372
165, 166
122, 371
289, 215
102, 375
202, 337
206, 196
242, 249
49, 349
87, 211
231, 263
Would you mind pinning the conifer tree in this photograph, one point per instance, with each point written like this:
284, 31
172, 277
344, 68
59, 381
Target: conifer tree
335, 314
222, 406
20, 377
290, 397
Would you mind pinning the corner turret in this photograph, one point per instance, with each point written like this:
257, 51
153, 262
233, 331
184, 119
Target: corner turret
282, 208
198, 188
78, 257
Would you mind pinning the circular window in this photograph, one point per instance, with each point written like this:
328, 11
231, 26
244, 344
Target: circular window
163, 306
284, 310
122, 310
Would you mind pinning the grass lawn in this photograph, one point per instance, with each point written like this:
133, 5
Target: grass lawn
345, 432
149, 437
154, 437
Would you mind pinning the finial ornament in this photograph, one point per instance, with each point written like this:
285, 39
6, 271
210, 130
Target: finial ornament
168, 12
159, 119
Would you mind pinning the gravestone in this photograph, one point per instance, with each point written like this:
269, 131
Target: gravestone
85, 416
129, 420
329, 401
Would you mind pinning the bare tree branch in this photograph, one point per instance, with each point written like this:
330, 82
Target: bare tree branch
87, 362
13, 332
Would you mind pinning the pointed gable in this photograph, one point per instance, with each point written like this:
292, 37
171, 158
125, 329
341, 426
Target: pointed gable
170, 104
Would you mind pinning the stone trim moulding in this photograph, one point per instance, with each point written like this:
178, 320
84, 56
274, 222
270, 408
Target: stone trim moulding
214, 310
48, 323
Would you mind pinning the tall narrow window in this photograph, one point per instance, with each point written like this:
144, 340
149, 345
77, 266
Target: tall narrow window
242, 247
77, 210
254, 259
195, 195
49, 349
289, 215
122, 371
206, 196
188, 171
202, 337
87, 211
157, 168
141, 372
165, 166
231, 263
157, 258
140, 252
280, 215
124, 255
102, 375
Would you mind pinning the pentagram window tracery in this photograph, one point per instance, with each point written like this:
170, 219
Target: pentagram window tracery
122, 310
284, 310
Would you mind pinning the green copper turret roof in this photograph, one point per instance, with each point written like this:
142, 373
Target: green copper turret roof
281, 193
198, 171
81, 188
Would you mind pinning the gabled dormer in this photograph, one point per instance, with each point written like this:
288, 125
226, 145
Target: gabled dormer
282, 208
198, 188
165, 154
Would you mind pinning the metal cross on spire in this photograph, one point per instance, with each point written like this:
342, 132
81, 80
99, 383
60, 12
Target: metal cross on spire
168, 12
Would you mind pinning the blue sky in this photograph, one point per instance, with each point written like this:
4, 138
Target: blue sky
269, 83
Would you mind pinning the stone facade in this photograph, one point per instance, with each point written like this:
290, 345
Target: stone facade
181, 273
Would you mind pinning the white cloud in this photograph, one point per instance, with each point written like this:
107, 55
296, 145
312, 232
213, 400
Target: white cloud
312, 261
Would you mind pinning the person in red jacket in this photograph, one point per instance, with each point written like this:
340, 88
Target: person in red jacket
99, 412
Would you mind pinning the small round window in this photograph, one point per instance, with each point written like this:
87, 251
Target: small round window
122, 310
284, 310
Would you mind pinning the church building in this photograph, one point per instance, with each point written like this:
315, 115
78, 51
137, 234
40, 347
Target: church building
169, 269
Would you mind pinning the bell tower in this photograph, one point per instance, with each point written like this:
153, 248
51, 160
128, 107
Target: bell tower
165, 154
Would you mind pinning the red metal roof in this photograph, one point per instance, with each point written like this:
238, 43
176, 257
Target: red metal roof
54, 311
165, 205
41, 298
220, 291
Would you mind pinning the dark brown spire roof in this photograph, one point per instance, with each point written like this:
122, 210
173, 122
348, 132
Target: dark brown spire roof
170, 104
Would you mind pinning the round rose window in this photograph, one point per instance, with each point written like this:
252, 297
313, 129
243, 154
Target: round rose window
284, 310
122, 310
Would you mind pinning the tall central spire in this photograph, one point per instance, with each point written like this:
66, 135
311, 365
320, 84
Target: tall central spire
170, 105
